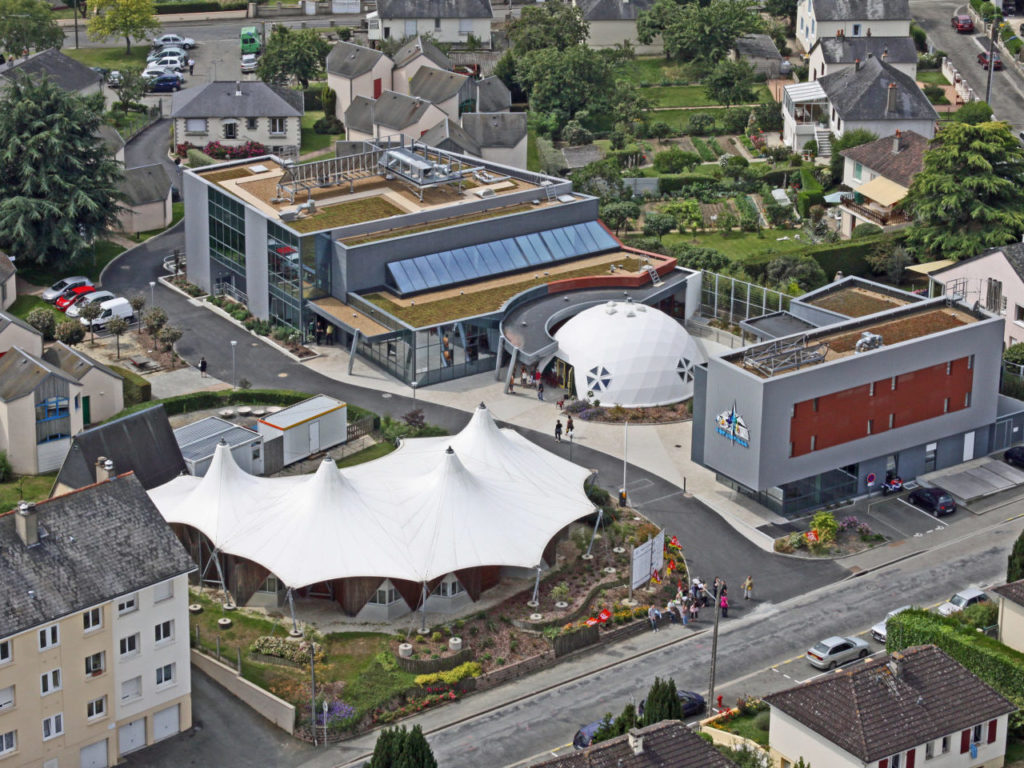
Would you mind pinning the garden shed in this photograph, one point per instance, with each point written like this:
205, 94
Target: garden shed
307, 427
198, 441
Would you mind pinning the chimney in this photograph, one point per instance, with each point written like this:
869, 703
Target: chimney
896, 142
897, 664
27, 524
890, 101
636, 741
238, 88
104, 469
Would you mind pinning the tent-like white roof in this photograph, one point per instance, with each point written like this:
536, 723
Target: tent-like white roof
486, 496
629, 354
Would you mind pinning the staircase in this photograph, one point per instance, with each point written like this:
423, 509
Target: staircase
655, 277
549, 190
824, 142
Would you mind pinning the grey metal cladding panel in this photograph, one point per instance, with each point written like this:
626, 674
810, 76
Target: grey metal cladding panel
729, 386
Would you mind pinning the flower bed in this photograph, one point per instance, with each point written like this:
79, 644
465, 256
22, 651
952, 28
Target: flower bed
283, 648
852, 535
662, 414
748, 720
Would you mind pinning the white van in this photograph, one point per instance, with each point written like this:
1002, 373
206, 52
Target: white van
112, 308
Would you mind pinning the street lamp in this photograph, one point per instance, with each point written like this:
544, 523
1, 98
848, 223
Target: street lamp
414, 385
233, 345
152, 286
570, 446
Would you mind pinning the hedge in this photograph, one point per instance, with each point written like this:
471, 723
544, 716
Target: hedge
197, 158
846, 257
451, 676
778, 178
808, 180
808, 198
673, 182
136, 389
200, 401
996, 664
199, 6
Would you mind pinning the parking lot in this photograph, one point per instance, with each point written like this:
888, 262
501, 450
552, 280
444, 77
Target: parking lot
896, 518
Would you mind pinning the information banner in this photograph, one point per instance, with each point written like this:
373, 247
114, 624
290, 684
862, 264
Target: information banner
647, 558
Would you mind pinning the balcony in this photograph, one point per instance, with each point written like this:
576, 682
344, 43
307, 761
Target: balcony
876, 214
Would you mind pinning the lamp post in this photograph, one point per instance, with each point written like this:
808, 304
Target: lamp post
414, 385
991, 67
152, 287
570, 446
233, 345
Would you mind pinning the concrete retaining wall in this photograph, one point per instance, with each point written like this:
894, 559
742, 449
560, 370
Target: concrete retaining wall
278, 711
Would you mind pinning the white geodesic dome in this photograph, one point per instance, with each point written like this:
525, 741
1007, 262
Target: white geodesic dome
629, 354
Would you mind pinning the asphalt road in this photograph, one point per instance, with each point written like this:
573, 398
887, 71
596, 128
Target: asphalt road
1007, 100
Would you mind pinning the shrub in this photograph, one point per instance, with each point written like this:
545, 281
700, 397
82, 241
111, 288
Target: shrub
69, 332
735, 120
865, 230
700, 123
762, 720
560, 593
825, 524
220, 151
920, 37
436, 637
675, 160
575, 134
198, 158
285, 649
328, 124
136, 388
805, 200
44, 321
6, 473
670, 183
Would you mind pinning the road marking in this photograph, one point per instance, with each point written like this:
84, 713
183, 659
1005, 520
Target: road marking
547, 753
926, 514
661, 498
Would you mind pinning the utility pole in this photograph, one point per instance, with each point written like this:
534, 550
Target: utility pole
991, 66
714, 648
312, 692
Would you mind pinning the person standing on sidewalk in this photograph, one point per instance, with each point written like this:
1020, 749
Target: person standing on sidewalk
558, 431
724, 604
540, 391
202, 367
569, 427
191, 66
653, 614
748, 588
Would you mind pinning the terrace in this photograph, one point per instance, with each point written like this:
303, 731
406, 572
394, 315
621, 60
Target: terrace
857, 301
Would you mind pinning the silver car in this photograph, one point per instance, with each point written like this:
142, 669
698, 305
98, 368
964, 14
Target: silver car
54, 292
833, 651
90, 298
878, 631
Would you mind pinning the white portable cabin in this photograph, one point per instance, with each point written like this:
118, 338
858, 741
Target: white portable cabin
307, 427
199, 440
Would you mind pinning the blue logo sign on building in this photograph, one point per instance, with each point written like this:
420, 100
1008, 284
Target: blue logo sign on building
731, 426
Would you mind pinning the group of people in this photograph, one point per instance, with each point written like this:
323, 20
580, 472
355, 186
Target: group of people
685, 606
570, 429
322, 332
527, 379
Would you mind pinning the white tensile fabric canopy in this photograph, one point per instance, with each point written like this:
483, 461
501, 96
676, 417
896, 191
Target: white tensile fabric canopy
486, 496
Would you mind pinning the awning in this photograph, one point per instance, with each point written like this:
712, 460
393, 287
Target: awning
802, 93
931, 266
882, 191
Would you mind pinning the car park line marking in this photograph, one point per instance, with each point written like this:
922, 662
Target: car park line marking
926, 514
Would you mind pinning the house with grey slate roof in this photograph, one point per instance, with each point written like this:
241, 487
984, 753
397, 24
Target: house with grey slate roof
8, 284
392, 114
234, 113
15, 332
914, 707
872, 95
102, 389
70, 75
146, 196
613, 22
760, 52
492, 95
834, 54
447, 21
355, 70
818, 19
449, 135
501, 136
94, 640
417, 52
440, 88
664, 744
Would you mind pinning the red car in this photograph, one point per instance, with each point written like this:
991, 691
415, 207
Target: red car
963, 23
72, 295
997, 63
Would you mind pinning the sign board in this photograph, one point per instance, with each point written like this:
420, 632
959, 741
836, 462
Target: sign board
730, 425
871, 478
647, 558
811, 536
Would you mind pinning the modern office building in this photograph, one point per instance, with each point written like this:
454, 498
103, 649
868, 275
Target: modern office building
862, 381
414, 255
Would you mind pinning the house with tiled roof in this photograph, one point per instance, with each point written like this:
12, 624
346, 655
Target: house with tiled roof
834, 54
447, 21
913, 708
817, 19
146, 193
880, 173
355, 70
392, 114
67, 73
613, 22
1011, 614
668, 744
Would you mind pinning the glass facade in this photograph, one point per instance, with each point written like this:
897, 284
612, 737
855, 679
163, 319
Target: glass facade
227, 245
800, 497
298, 270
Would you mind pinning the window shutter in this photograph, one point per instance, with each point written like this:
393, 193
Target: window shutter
965, 741
911, 754
884, 763
992, 725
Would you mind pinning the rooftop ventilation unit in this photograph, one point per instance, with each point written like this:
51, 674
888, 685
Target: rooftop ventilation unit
867, 342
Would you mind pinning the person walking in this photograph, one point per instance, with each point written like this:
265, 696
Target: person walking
724, 604
748, 588
329, 335
653, 614
694, 610
569, 427
202, 367
191, 66
540, 391
558, 431
524, 378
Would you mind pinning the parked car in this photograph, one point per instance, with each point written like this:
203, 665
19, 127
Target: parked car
53, 293
171, 39
585, 735
997, 63
1015, 455
934, 500
153, 71
878, 631
115, 78
171, 61
171, 50
101, 71
90, 298
249, 62
693, 704
965, 598
72, 295
111, 308
963, 23
165, 84
833, 651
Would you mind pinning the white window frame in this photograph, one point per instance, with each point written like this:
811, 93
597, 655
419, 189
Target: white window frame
281, 123
196, 125
6, 698
8, 742
93, 618
55, 724
5, 652
96, 708
128, 604
130, 640
166, 675
465, 27
96, 662
50, 682
163, 591
137, 695
167, 635
49, 637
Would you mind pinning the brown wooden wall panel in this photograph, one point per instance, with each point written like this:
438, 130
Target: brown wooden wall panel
353, 593
842, 416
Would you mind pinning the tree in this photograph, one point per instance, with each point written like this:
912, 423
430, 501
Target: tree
696, 257
138, 302
123, 18
675, 160
58, 185
618, 213
730, 82
1013, 354
1015, 562
702, 32
889, 259
659, 129
973, 112
28, 24
154, 320
90, 312
293, 53
133, 86
848, 140
417, 747
700, 123
565, 82
804, 271
117, 326
783, 9
575, 135
687, 214
970, 195
69, 332
169, 336
658, 224
662, 702
727, 221
388, 748
601, 178
44, 321
398, 748
549, 25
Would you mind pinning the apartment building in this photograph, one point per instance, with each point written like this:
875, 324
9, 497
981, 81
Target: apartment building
94, 651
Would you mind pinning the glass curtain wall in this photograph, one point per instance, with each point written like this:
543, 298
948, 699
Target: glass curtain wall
299, 270
227, 245
453, 350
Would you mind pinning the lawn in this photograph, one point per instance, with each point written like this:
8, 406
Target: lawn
748, 726
312, 141
741, 245
110, 58
479, 302
90, 266
343, 214
23, 305
931, 76
680, 118
367, 454
690, 96
27, 488
654, 70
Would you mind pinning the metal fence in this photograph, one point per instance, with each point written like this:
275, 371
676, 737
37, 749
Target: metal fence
731, 301
141, 121
1011, 383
